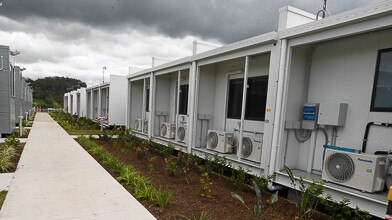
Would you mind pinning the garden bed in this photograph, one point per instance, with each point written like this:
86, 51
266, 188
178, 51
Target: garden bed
3, 194
75, 125
10, 153
186, 189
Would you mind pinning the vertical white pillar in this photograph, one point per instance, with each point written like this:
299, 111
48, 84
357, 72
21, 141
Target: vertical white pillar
151, 105
91, 104
244, 92
177, 101
192, 107
99, 102
144, 103
278, 107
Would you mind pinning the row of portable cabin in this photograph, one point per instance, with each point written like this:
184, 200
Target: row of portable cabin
315, 96
16, 95
97, 102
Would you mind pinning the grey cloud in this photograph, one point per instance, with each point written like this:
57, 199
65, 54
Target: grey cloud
227, 21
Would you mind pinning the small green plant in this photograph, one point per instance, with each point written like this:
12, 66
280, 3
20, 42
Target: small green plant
262, 181
163, 197
341, 210
258, 207
114, 163
7, 152
12, 141
126, 175
143, 189
171, 165
184, 162
195, 161
310, 195
151, 163
116, 143
238, 177
141, 151
205, 184
168, 150
219, 164
204, 215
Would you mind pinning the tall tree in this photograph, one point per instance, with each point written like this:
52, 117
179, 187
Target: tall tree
49, 91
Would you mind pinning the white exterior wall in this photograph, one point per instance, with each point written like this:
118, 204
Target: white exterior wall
83, 102
117, 95
342, 71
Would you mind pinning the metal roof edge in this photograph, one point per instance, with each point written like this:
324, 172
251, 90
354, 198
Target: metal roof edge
347, 17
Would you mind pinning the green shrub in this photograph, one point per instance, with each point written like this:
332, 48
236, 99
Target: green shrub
205, 185
257, 208
204, 215
163, 197
310, 195
171, 166
238, 177
151, 163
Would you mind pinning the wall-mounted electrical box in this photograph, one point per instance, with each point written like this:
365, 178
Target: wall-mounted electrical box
309, 116
333, 114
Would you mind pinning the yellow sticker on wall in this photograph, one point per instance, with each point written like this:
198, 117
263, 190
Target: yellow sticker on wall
268, 110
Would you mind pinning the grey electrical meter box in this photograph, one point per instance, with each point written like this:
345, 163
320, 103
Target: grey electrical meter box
309, 116
333, 114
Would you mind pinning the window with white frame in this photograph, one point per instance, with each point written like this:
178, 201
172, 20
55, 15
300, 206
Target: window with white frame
183, 100
256, 98
382, 88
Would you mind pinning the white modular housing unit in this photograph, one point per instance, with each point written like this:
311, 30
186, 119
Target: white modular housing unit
193, 95
261, 89
66, 104
98, 101
7, 92
77, 102
19, 101
344, 64
106, 100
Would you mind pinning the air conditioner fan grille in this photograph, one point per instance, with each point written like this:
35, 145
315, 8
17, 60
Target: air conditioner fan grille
181, 133
212, 140
247, 147
163, 130
340, 167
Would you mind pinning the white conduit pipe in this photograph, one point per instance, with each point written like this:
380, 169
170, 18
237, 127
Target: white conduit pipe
278, 110
245, 89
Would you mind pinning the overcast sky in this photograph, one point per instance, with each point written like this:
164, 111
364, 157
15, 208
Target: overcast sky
76, 38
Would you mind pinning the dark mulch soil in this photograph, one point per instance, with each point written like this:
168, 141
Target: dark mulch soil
187, 199
15, 159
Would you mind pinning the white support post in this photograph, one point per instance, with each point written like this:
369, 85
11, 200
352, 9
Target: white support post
99, 102
151, 105
178, 101
144, 103
128, 110
92, 104
244, 92
192, 107
278, 107
20, 126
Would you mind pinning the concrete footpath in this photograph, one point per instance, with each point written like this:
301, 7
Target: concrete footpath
57, 179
